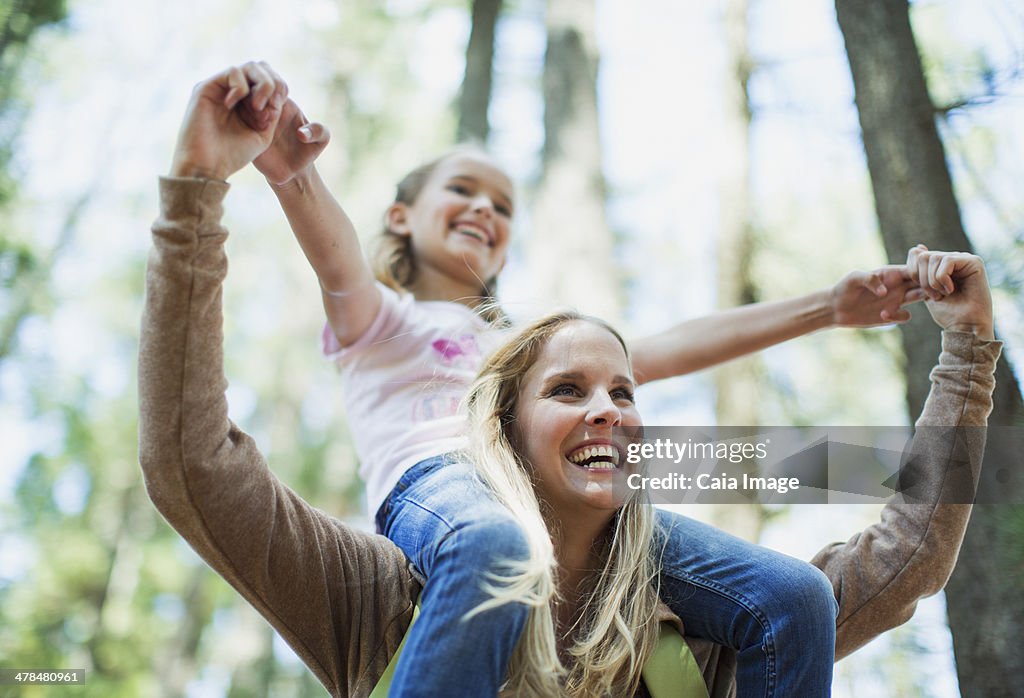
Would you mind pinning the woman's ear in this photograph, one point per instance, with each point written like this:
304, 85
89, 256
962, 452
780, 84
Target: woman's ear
396, 219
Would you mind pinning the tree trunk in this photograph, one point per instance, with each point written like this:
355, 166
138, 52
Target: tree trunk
20, 20
570, 249
475, 94
29, 287
736, 382
915, 203
177, 660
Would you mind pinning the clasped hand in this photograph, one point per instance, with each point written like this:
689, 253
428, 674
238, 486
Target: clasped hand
243, 115
956, 288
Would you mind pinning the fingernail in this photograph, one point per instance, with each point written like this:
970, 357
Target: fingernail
306, 131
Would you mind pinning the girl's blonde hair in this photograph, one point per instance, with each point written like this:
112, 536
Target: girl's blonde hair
393, 260
617, 628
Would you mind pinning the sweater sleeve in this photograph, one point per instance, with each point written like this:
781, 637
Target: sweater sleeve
341, 598
880, 574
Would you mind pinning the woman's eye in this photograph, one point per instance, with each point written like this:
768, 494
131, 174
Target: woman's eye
566, 390
504, 211
459, 189
623, 394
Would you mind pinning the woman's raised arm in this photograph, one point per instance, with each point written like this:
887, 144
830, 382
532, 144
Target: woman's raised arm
880, 574
340, 597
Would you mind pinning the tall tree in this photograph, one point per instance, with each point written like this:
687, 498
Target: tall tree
20, 20
571, 246
475, 94
915, 202
23, 268
736, 382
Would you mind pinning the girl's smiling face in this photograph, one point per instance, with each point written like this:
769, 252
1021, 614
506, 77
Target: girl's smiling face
571, 402
459, 223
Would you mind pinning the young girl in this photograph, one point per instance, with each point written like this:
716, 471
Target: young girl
408, 337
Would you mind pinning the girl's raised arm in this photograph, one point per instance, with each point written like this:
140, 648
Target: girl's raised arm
859, 299
323, 229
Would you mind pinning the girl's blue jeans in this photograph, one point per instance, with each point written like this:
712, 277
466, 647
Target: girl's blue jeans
777, 612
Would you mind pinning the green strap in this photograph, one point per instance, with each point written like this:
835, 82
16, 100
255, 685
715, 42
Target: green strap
671, 671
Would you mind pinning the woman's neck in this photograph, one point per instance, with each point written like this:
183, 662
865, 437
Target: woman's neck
575, 539
578, 551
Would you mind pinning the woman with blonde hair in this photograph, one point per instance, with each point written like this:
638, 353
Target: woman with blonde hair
550, 416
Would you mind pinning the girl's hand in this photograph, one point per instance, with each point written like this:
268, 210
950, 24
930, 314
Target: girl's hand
297, 144
229, 121
959, 299
868, 299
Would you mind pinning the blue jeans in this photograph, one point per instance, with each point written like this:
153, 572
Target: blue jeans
777, 612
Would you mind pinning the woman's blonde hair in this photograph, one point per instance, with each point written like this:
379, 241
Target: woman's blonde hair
393, 260
617, 628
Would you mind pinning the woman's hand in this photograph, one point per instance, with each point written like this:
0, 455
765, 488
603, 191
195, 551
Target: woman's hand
959, 299
297, 144
229, 121
867, 299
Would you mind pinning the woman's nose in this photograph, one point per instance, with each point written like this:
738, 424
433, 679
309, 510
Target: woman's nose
602, 411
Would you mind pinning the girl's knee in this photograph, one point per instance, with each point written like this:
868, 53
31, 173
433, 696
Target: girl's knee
494, 539
822, 593
810, 597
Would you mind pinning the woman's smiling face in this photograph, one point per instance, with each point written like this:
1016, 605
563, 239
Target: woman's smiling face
571, 403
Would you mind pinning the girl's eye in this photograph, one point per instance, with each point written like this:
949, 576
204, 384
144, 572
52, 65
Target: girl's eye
504, 211
564, 390
459, 189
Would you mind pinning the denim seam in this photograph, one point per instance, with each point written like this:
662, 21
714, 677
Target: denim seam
749, 607
439, 517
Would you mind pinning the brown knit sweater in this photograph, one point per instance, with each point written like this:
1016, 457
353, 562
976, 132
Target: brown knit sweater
343, 598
